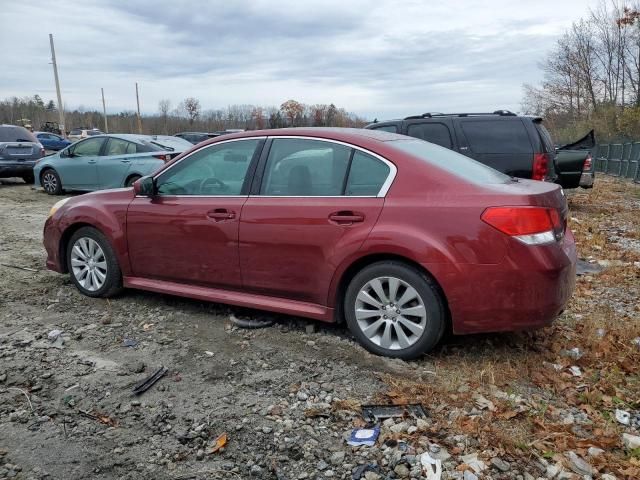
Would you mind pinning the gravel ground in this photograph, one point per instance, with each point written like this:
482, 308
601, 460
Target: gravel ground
286, 396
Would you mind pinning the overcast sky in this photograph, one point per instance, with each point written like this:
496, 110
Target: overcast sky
377, 58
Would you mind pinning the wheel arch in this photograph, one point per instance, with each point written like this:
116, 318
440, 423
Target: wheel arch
130, 176
358, 264
66, 237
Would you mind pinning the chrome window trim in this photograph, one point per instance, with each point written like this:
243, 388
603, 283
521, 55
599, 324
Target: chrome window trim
393, 170
384, 189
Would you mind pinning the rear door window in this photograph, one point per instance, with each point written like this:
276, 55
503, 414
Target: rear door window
496, 136
433, 132
547, 142
301, 167
118, 146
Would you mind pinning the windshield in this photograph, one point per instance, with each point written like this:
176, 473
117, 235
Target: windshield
450, 161
16, 134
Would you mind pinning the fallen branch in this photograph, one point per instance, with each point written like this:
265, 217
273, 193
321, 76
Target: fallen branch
18, 267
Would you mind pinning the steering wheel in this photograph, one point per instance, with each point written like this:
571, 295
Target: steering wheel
220, 185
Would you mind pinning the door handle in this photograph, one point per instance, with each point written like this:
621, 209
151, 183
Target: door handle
91, 161
220, 214
125, 161
346, 217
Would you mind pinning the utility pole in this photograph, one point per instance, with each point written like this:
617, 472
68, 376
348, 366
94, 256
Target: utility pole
138, 102
55, 74
104, 110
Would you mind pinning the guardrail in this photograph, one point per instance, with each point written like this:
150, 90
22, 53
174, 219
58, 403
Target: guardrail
618, 159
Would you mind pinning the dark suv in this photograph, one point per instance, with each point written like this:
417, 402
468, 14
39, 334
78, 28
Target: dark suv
19, 152
519, 146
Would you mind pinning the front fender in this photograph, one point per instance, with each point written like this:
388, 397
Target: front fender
107, 215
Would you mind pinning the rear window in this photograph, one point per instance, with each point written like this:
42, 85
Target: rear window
498, 136
16, 134
143, 146
547, 141
75, 131
437, 133
452, 162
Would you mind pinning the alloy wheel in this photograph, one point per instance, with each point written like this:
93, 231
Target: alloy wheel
49, 182
89, 264
390, 313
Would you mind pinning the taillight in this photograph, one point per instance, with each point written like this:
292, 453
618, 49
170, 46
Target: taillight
540, 166
530, 225
42, 152
164, 158
587, 164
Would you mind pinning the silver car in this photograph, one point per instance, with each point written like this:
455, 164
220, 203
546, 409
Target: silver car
19, 152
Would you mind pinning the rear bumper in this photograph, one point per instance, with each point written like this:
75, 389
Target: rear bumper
51, 241
528, 290
16, 169
586, 179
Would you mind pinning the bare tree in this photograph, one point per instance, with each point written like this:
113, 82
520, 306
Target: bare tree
164, 106
191, 107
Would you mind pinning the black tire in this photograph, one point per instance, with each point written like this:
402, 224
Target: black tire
50, 181
429, 294
29, 179
113, 282
131, 180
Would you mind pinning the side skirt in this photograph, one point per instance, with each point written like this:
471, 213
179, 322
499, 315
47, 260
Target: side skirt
249, 300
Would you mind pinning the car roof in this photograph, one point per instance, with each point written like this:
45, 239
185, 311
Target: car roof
348, 135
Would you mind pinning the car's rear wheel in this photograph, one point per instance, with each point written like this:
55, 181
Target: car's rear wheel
92, 264
50, 181
131, 180
395, 310
29, 179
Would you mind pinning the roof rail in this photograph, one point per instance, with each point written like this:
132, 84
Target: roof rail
502, 113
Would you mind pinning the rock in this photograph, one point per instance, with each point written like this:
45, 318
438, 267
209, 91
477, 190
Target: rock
595, 452
574, 353
623, 417
412, 429
322, 465
399, 427
337, 458
200, 454
607, 476
500, 464
422, 424
578, 465
402, 470
329, 473
54, 334
302, 396
630, 441
371, 476
256, 470
468, 475
310, 328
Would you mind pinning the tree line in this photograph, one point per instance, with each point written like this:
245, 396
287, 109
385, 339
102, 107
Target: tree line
188, 115
592, 77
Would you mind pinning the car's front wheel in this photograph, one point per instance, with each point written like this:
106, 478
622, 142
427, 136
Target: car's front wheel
395, 310
50, 181
131, 180
92, 264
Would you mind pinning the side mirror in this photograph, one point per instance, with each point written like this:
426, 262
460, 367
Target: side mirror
145, 186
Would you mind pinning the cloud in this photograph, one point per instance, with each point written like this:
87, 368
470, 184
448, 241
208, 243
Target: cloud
379, 59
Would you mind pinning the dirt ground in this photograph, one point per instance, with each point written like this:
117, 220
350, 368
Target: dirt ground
510, 406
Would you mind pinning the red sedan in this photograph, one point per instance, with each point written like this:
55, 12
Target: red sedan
398, 237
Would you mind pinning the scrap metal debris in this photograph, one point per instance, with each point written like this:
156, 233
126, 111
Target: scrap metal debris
148, 382
374, 413
251, 322
585, 268
364, 436
431, 467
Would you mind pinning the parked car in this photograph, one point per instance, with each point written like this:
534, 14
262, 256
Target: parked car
104, 161
19, 152
51, 141
400, 238
196, 137
171, 143
80, 133
575, 163
519, 146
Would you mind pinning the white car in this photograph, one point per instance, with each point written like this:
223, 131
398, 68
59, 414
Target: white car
80, 133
